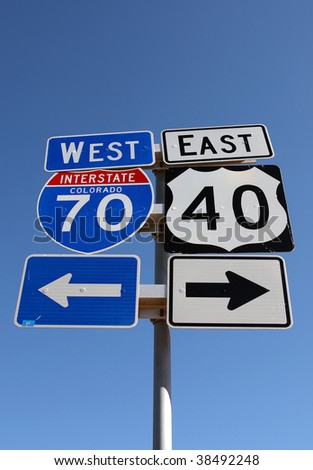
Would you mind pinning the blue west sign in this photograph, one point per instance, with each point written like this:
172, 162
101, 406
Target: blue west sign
79, 291
115, 150
92, 211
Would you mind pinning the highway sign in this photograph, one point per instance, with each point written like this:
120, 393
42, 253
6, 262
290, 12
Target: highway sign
88, 212
210, 144
79, 291
114, 150
228, 292
226, 209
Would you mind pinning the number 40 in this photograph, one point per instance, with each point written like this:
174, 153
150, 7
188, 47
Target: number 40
211, 216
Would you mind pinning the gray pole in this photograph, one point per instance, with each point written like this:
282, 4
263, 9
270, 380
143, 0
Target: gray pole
162, 403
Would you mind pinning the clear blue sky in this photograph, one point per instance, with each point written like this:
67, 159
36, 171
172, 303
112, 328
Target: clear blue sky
75, 67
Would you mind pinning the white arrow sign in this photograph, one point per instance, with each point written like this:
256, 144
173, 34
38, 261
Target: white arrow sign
60, 289
228, 292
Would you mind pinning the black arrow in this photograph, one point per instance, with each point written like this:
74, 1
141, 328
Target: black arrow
239, 289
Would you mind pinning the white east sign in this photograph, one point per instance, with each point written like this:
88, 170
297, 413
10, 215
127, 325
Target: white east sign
210, 144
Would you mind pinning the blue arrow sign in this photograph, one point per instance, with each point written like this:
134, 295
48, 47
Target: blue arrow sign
92, 211
115, 150
79, 291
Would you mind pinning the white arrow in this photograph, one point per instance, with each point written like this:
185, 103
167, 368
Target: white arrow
60, 289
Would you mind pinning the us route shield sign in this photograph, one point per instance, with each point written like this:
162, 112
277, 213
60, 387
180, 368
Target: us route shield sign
226, 209
228, 292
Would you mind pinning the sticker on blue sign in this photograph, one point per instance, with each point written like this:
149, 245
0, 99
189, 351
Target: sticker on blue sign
93, 211
90, 151
79, 291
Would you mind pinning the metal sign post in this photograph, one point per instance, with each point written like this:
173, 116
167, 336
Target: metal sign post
162, 403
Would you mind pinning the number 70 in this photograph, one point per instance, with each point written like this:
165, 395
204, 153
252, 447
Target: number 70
83, 199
